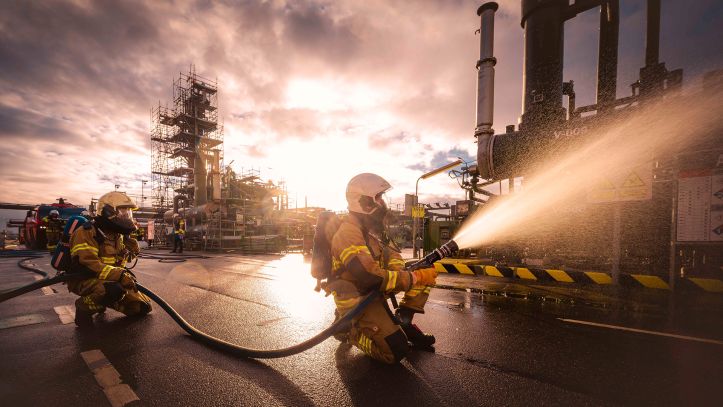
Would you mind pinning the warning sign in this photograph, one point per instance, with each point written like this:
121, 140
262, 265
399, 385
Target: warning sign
633, 180
700, 207
635, 184
418, 212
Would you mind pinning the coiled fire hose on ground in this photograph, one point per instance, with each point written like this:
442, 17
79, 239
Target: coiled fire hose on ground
220, 344
195, 333
178, 258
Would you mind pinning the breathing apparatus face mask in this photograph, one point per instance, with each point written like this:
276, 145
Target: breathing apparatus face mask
378, 214
116, 220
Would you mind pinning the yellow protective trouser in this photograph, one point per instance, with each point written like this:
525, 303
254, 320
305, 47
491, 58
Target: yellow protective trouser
376, 333
416, 298
94, 297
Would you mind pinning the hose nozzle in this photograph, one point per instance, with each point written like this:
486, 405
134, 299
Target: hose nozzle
439, 253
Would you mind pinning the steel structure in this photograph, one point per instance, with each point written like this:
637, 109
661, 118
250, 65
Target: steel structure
187, 144
620, 235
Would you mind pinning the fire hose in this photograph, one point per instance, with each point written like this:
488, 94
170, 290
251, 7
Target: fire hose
220, 344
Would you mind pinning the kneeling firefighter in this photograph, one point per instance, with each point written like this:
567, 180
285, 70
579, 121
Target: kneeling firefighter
365, 259
100, 248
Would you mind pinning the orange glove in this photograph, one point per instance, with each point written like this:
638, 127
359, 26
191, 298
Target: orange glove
426, 276
127, 281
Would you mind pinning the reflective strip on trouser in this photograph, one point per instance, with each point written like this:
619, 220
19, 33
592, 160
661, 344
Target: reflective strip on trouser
371, 331
344, 305
88, 305
92, 292
416, 298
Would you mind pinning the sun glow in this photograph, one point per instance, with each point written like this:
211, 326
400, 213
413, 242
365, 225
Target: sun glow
329, 95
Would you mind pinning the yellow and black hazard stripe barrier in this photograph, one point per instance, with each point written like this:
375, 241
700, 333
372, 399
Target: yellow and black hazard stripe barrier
470, 267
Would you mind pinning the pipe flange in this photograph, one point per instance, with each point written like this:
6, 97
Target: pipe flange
487, 6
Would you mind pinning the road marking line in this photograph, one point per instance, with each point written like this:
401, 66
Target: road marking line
118, 393
45, 290
456, 304
623, 328
66, 313
21, 320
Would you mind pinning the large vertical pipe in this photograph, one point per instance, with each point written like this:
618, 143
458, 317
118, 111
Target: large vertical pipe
485, 88
200, 193
608, 54
486, 68
653, 74
543, 21
652, 34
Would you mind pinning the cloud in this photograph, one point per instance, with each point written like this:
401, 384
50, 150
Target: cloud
333, 87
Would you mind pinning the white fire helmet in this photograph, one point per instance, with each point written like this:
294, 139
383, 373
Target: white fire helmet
115, 212
364, 193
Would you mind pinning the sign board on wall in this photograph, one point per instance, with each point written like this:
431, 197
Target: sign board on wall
418, 212
150, 229
700, 206
634, 184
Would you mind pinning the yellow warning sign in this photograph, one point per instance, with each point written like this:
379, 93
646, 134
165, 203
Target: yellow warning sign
418, 212
635, 184
633, 180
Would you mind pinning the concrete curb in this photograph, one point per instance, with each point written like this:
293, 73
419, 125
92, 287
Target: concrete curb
467, 267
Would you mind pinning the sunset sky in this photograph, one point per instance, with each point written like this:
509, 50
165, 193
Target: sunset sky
311, 92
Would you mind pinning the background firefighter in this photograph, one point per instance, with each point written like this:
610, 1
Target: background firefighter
102, 247
53, 229
179, 232
364, 259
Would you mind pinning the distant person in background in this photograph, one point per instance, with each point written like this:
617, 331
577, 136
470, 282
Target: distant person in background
179, 232
53, 229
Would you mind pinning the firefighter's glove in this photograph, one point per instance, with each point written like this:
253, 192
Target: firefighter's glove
426, 276
127, 281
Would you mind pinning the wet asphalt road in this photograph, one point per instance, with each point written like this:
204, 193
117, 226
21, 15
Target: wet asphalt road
490, 350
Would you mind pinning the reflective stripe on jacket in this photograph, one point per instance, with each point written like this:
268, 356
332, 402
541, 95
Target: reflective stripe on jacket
363, 265
104, 258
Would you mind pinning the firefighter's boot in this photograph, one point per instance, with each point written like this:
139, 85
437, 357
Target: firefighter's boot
419, 339
83, 318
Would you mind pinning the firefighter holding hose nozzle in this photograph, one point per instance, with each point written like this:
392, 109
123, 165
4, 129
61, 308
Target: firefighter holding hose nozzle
365, 259
99, 249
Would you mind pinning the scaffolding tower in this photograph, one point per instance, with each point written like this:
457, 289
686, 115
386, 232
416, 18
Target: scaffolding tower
187, 144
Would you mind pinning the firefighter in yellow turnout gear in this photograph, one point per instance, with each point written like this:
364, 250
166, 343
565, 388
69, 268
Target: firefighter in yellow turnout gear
53, 229
102, 248
363, 260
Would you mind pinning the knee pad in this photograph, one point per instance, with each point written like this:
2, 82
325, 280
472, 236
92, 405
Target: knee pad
398, 344
114, 292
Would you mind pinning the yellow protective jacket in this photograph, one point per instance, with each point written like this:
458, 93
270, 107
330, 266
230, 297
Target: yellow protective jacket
103, 258
180, 227
365, 262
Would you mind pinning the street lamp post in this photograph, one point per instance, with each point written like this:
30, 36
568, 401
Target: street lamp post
415, 219
143, 197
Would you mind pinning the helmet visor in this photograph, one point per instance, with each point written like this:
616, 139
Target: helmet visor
125, 214
381, 199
